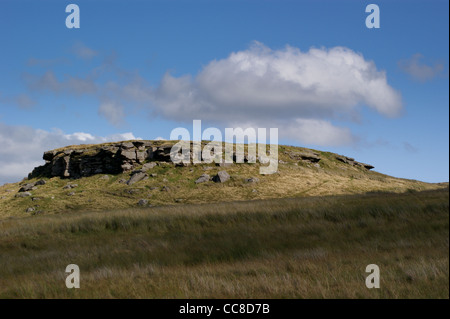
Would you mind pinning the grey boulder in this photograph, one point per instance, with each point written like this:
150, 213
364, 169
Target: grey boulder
138, 176
23, 194
202, 179
221, 177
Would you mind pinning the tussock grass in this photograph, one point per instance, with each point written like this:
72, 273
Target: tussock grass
311, 247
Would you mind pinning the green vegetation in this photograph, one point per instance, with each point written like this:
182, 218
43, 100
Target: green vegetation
176, 185
310, 247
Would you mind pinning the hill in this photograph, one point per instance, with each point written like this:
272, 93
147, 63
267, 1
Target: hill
139, 226
127, 174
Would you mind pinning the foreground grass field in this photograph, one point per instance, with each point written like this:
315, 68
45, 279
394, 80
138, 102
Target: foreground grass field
314, 247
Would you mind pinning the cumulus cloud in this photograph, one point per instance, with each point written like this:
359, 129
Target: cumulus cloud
23, 146
304, 91
307, 88
418, 70
318, 132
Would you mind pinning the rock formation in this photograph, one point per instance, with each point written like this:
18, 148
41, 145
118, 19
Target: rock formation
351, 161
115, 158
111, 158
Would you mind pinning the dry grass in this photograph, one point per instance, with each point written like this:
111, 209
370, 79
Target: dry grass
312, 247
294, 179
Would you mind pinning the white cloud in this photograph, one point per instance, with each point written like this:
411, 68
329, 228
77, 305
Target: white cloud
262, 83
303, 92
318, 132
23, 146
80, 136
418, 70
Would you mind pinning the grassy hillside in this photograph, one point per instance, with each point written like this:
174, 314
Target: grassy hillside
305, 247
171, 185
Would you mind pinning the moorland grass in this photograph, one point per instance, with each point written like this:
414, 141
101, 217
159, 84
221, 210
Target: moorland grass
311, 247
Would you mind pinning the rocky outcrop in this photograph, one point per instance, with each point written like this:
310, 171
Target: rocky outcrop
351, 161
111, 158
115, 158
307, 156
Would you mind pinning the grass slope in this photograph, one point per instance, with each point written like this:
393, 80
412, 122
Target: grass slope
293, 179
310, 247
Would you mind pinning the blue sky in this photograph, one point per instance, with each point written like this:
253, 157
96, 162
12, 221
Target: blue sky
311, 68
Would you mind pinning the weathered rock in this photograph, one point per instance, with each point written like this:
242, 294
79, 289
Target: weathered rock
40, 182
308, 156
150, 153
24, 194
351, 161
105, 177
128, 155
71, 194
126, 145
70, 186
126, 167
162, 153
26, 188
60, 166
110, 159
143, 202
202, 179
183, 164
136, 178
148, 166
313, 158
221, 177
30, 209
367, 166
344, 159
49, 155
252, 180
141, 156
